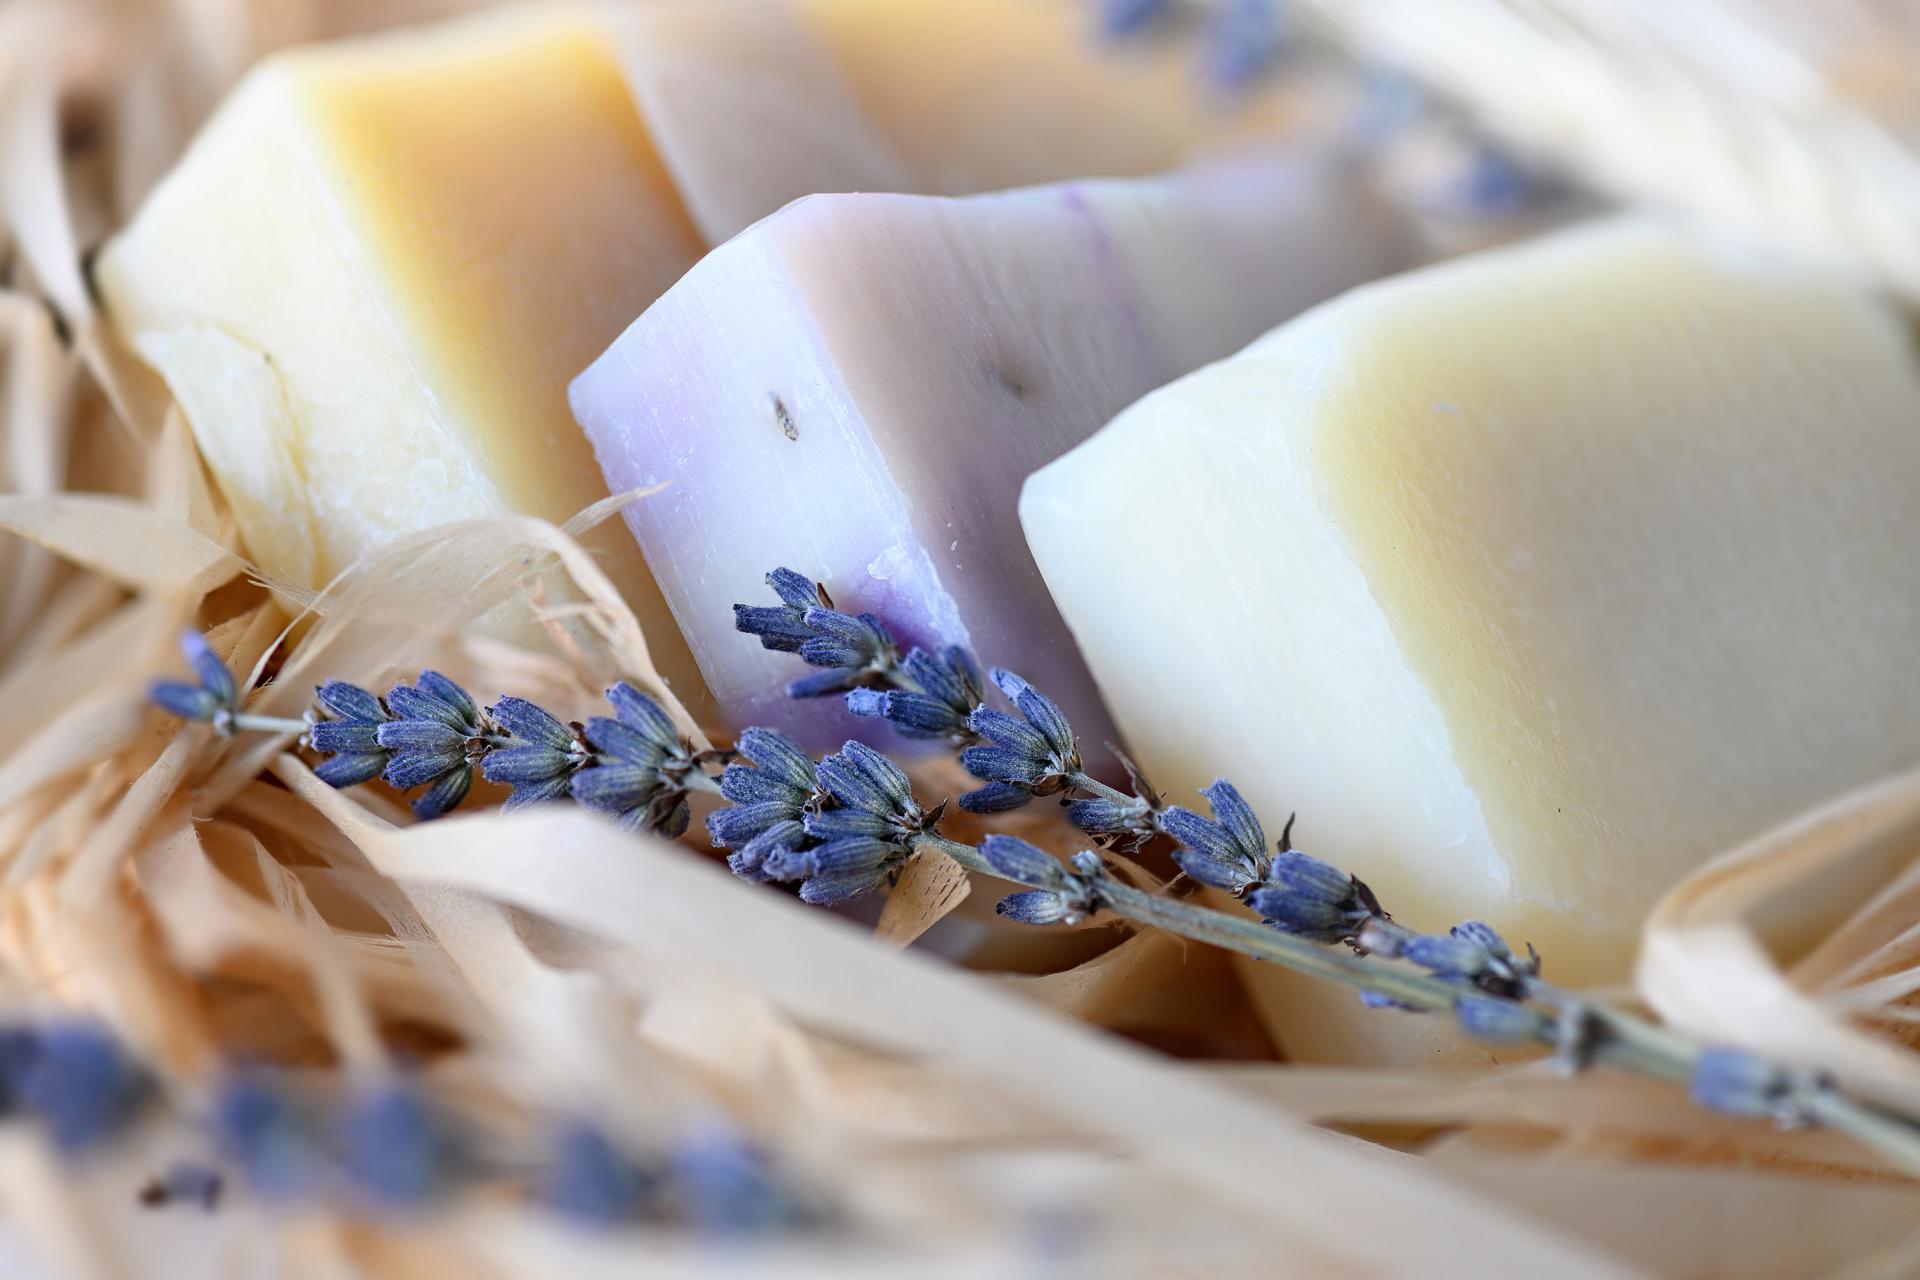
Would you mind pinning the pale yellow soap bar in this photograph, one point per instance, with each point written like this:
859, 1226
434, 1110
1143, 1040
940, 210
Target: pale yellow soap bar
1530, 580
979, 95
373, 275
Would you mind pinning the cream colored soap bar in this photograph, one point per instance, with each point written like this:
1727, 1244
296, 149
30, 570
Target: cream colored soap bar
979, 95
372, 276
1530, 581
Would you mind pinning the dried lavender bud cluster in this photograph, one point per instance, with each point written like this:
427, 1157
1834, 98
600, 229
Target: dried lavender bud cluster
841, 828
431, 737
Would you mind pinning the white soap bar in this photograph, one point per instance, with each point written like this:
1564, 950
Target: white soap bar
1530, 581
856, 386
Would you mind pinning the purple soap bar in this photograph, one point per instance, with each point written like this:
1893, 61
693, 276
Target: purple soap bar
857, 386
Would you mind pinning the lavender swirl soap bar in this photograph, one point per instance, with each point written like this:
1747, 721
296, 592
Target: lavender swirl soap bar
859, 384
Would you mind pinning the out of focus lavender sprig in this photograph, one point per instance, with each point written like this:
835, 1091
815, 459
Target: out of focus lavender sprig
385, 1145
1312, 917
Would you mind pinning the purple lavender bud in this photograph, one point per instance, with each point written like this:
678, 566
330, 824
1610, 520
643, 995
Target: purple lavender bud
848, 869
81, 1084
1301, 915
722, 1185
1499, 1021
208, 668
1129, 19
1017, 860
995, 797
1108, 817
187, 701
208, 695
395, 1149
1737, 1082
796, 590
592, 1181
1448, 957
1483, 936
1036, 906
275, 1136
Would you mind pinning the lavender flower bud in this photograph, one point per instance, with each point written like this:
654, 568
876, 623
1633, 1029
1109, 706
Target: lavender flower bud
350, 736
1499, 1021
1483, 936
395, 1149
1100, 816
211, 696
1017, 860
276, 1137
796, 590
1737, 1082
1036, 906
79, 1082
541, 769
1448, 957
591, 1181
1128, 19
1034, 754
433, 737
722, 1185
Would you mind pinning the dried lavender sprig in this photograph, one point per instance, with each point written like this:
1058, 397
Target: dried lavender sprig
386, 1146
1304, 904
1582, 1033
431, 736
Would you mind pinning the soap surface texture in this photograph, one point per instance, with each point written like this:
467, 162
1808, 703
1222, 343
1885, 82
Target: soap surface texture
1530, 581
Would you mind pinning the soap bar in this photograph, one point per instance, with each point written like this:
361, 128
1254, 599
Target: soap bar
1529, 580
857, 385
754, 103
981, 95
373, 274
751, 110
